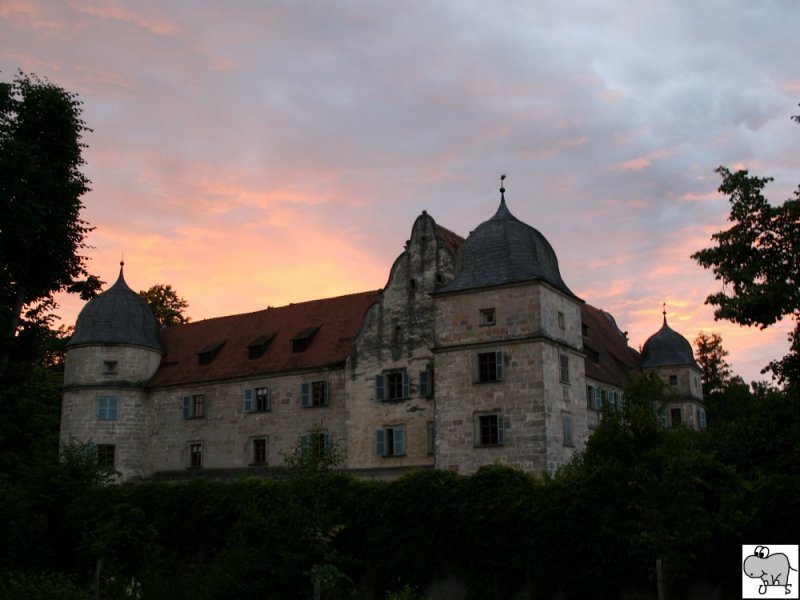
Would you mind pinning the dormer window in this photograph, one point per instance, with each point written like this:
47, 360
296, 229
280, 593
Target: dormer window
302, 340
207, 354
258, 346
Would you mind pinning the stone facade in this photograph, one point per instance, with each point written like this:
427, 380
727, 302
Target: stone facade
470, 355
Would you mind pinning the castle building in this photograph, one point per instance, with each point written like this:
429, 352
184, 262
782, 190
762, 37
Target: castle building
475, 352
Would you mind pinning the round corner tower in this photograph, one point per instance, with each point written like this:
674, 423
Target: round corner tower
111, 356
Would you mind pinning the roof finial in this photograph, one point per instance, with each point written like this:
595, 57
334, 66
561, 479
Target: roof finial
664, 311
502, 188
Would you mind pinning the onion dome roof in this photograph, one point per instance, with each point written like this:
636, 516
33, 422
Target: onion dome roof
505, 250
117, 316
667, 347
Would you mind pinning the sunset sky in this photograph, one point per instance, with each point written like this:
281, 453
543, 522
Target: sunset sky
260, 153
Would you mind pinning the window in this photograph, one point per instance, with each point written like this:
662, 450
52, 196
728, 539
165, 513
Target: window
315, 445
590, 397
566, 429
490, 366
207, 354
258, 346
196, 454
675, 417
257, 400
302, 340
390, 441
489, 429
392, 385
561, 320
110, 367
564, 368
431, 431
701, 418
673, 380
426, 383
314, 393
487, 317
107, 408
194, 407
105, 456
259, 451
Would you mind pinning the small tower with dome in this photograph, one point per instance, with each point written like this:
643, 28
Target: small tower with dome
669, 354
111, 356
508, 354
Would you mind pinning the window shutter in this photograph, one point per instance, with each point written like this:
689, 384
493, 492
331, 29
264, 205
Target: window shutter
268, 394
380, 442
423, 384
305, 400
598, 399
186, 407
326, 395
406, 385
112, 409
379, 388
399, 441
498, 359
326, 440
304, 443
248, 401
501, 430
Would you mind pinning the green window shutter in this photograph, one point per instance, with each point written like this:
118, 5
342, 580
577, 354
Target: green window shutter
379, 393
187, 410
248, 401
423, 384
406, 385
498, 358
305, 399
380, 442
399, 441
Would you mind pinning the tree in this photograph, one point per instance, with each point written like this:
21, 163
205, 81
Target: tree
166, 305
41, 185
711, 357
758, 261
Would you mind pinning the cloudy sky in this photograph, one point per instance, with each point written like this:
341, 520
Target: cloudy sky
261, 153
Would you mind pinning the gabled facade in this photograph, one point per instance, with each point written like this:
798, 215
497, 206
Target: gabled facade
475, 352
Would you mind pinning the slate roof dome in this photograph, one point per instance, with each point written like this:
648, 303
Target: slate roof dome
117, 316
505, 250
667, 347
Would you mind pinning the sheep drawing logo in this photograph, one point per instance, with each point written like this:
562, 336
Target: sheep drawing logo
773, 569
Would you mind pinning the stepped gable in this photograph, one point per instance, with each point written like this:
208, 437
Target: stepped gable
667, 348
608, 356
504, 250
117, 316
307, 335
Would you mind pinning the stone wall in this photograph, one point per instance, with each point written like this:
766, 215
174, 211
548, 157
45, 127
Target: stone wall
226, 431
397, 334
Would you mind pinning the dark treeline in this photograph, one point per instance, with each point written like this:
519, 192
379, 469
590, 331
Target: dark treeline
594, 529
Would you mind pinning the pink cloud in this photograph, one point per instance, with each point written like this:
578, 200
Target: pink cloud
111, 9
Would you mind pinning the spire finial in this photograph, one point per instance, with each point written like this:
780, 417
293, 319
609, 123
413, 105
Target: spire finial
502, 188
664, 311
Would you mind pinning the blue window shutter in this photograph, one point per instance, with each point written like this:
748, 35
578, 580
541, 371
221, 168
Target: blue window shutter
406, 385
248, 400
498, 358
399, 441
501, 429
379, 395
423, 384
186, 407
305, 400
112, 409
269, 398
380, 442
598, 399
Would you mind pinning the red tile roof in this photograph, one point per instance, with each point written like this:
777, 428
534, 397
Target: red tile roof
608, 356
230, 338
452, 240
